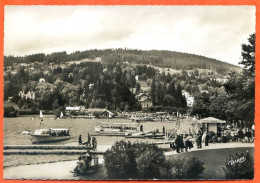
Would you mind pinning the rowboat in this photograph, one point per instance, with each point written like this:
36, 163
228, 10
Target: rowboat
50, 135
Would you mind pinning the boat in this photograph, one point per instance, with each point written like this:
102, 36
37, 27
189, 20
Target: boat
50, 135
154, 134
116, 128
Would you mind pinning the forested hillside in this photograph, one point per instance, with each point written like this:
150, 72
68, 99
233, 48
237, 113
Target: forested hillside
165, 59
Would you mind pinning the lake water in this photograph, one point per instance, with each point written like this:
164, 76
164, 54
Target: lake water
13, 128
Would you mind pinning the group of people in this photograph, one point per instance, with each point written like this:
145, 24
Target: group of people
181, 143
83, 163
59, 133
184, 142
88, 142
236, 135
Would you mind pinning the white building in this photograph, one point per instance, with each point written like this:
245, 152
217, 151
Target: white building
190, 101
185, 94
42, 80
29, 95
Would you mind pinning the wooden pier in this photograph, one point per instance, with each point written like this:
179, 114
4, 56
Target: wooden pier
48, 149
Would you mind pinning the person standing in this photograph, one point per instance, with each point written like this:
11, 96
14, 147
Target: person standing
207, 140
204, 136
197, 140
177, 142
141, 128
89, 140
163, 130
93, 142
80, 140
200, 141
232, 134
95, 146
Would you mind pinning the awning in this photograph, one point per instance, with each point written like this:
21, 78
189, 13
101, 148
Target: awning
211, 120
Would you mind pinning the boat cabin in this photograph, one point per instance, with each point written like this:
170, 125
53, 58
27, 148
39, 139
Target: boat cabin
53, 132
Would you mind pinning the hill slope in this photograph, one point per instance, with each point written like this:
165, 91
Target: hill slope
161, 58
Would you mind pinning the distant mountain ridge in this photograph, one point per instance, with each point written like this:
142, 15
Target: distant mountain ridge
161, 58
175, 60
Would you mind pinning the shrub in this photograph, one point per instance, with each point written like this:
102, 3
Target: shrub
185, 168
240, 166
150, 164
9, 111
126, 160
146, 161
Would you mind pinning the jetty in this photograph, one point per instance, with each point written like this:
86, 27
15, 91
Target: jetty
48, 149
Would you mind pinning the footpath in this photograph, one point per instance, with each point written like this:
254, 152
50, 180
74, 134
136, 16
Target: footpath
61, 170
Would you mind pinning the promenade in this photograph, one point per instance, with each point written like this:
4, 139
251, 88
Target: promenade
61, 170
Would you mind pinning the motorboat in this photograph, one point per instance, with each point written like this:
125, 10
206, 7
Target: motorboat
50, 135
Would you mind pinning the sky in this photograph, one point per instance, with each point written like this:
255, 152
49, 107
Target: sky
212, 31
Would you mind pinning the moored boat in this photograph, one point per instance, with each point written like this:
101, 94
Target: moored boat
116, 128
50, 135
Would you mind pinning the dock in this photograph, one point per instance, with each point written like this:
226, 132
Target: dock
48, 149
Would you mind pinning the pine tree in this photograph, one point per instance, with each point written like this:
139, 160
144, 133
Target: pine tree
248, 54
153, 91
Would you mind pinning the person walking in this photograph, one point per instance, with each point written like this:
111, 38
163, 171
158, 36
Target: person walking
80, 140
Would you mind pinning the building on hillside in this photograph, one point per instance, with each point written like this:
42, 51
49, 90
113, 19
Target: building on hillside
190, 101
188, 97
91, 85
42, 80
142, 96
146, 102
100, 113
185, 94
204, 91
28, 95
98, 59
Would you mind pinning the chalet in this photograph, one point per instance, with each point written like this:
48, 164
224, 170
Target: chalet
146, 102
142, 96
190, 101
100, 113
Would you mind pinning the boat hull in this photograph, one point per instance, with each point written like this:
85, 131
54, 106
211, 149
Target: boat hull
47, 138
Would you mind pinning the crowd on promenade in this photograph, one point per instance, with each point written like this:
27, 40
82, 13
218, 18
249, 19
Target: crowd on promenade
225, 134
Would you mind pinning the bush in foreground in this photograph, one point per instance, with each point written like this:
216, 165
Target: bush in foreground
185, 168
146, 161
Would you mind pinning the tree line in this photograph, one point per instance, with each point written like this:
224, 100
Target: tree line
236, 101
166, 59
